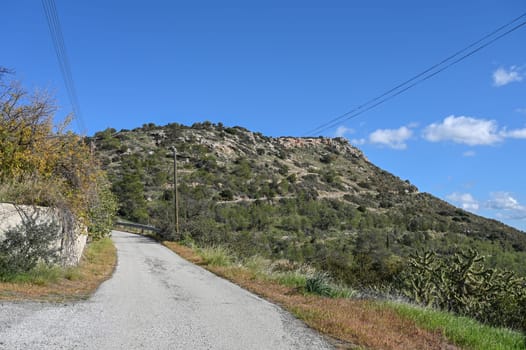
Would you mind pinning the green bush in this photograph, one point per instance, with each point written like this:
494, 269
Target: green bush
319, 284
26, 245
102, 215
226, 194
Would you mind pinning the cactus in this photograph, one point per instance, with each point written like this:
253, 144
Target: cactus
462, 284
423, 269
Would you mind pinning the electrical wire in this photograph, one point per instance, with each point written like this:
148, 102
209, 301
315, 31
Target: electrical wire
406, 85
57, 38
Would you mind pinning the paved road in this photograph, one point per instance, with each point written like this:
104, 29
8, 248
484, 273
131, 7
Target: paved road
156, 300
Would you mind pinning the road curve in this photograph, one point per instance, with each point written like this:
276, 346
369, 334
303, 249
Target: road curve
156, 300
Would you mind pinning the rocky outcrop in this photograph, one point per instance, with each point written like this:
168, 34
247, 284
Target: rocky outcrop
339, 144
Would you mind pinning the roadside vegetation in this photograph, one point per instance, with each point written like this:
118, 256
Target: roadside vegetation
43, 164
352, 317
463, 331
56, 283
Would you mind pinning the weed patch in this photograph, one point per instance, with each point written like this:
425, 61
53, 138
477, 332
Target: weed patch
54, 283
216, 256
290, 279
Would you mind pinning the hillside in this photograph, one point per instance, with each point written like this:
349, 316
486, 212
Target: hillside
314, 200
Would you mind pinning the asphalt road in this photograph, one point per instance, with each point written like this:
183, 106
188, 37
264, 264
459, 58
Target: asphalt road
156, 300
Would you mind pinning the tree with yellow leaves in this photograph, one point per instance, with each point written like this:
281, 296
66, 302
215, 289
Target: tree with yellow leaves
43, 164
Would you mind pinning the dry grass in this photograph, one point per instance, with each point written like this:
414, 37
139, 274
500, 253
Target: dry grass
185, 252
97, 265
355, 323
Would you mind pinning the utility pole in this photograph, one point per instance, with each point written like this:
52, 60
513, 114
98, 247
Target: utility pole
175, 194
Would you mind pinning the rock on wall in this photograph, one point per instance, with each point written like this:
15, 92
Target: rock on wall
73, 237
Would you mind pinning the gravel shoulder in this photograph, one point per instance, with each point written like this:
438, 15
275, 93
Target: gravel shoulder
156, 300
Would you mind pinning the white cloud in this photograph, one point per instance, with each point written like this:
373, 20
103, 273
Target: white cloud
520, 110
358, 142
467, 130
462, 129
504, 201
514, 134
465, 200
342, 131
503, 76
393, 138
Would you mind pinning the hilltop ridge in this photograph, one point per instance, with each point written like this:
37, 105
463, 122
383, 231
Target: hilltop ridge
316, 200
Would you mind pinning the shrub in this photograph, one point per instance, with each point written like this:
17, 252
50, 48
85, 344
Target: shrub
319, 284
328, 158
102, 215
26, 245
226, 194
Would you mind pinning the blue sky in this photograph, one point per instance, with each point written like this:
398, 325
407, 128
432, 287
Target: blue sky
285, 67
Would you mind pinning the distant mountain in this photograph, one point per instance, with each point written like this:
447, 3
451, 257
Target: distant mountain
315, 200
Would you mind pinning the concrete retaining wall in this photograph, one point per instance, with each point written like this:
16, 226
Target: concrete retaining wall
72, 241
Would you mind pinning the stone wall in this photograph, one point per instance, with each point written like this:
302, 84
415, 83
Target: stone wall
73, 237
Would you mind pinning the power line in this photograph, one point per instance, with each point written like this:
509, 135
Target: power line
433, 70
420, 74
60, 50
53, 22
355, 113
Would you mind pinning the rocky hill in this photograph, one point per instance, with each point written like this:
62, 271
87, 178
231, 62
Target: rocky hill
315, 200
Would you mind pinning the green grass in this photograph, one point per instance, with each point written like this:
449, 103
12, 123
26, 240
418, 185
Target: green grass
96, 248
216, 256
58, 284
261, 267
257, 264
40, 275
43, 275
321, 284
72, 274
463, 331
338, 291
293, 279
